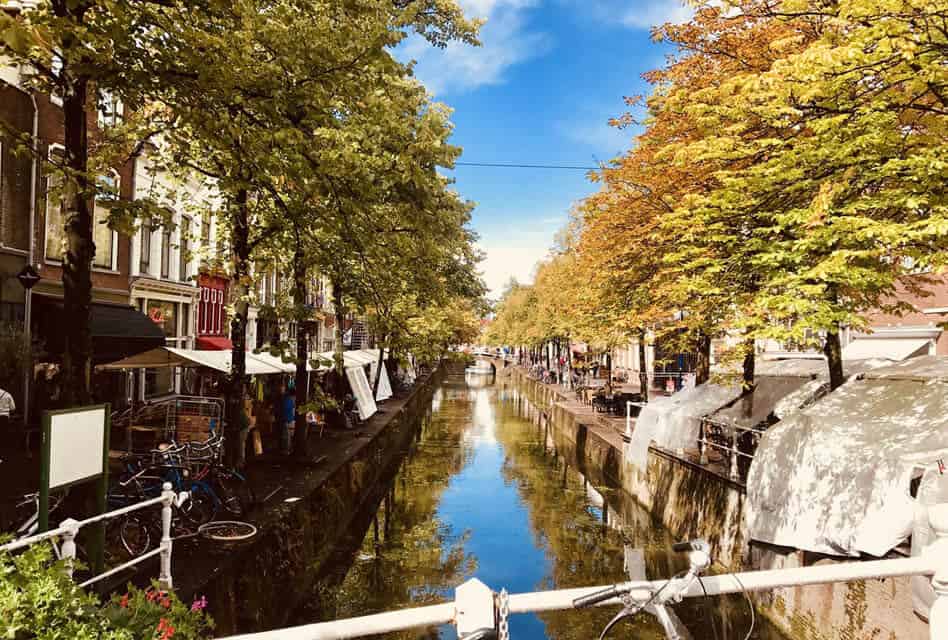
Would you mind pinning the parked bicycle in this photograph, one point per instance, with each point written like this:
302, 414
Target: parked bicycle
637, 597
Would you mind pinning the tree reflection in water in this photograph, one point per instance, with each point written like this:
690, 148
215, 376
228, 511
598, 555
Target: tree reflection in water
546, 525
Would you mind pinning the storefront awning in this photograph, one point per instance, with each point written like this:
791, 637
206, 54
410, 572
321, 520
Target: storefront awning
214, 343
118, 331
889, 348
171, 357
356, 358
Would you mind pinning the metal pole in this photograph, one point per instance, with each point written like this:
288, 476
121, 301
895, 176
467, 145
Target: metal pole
28, 293
67, 550
164, 576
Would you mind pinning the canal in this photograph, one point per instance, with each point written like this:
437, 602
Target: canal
484, 489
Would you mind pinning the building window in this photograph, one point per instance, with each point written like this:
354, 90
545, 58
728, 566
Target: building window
206, 235
144, 260
184, 250
102, 235
165, 252
55, 218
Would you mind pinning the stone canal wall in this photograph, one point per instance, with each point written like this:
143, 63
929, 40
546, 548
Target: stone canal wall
692, 501
258, 587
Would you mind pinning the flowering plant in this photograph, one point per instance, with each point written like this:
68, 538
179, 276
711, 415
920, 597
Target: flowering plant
159, 615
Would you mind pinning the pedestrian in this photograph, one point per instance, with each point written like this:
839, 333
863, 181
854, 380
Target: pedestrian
289, 418
7, 407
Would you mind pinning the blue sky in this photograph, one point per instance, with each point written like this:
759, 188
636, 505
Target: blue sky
540, 90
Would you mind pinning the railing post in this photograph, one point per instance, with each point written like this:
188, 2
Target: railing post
938, 550
164, 575
67, 550
702, 444
474, 608
732, 472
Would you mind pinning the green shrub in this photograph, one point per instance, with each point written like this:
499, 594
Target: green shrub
39, 601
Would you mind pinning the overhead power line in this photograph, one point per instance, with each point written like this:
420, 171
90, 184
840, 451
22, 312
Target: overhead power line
504, 165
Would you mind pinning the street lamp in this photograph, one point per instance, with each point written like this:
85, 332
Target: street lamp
28, 277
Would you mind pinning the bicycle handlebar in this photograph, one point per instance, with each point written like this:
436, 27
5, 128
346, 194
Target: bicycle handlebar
691, 545
597, 597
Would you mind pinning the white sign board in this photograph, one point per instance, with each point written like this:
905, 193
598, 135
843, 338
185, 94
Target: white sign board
76, 445
385, 386
362, 391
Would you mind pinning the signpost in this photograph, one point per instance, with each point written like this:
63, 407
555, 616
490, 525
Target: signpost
76, 451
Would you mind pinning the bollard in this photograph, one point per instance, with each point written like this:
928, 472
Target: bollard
67, 550
164, 576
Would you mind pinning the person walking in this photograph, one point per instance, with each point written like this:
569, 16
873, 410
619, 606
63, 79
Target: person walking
289, 419
7, 407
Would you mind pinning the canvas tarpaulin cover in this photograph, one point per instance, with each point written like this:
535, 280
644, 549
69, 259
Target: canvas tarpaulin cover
834, 477
673, 422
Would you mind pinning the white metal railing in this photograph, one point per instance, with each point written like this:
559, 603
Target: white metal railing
68, 529
732, 451
475, 606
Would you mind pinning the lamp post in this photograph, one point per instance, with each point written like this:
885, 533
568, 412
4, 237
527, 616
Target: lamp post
28, 277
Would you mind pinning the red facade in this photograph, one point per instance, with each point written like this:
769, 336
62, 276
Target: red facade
212, 329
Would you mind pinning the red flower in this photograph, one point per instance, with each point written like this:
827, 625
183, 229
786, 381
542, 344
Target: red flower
166, 603
165, 629
124, 601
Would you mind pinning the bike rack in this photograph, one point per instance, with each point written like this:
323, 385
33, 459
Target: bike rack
475, 605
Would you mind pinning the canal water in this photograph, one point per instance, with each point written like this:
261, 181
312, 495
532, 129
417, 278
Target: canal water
486, 490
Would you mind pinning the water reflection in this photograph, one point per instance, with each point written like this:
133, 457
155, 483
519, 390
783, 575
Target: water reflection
487, 489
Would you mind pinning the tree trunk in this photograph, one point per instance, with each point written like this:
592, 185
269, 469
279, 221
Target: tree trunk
834, 358
338, 359
240, 245
80, 250
609, 371
643, 367
301, 433
546, 354
703, 366
748, 368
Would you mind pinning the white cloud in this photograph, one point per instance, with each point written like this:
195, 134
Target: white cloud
650, 13
506, 40
597, 135
503, 263
638, 14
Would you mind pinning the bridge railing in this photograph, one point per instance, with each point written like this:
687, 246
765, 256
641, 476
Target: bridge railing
476, 607
68, 529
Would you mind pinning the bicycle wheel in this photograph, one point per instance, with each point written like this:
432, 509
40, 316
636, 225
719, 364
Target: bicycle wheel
134, 535
200, 507
235, 493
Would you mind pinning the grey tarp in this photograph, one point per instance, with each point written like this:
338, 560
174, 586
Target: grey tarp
673, 422
834, 477
755, 408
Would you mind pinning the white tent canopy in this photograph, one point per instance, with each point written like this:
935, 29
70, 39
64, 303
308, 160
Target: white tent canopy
834, 477
890, 348
173, 357
673, 422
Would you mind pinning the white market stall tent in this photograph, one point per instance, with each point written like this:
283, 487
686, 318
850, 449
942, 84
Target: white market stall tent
174, 357
674, 422
835, 477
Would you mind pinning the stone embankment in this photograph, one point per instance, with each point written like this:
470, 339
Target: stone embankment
695, 501
306, 512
